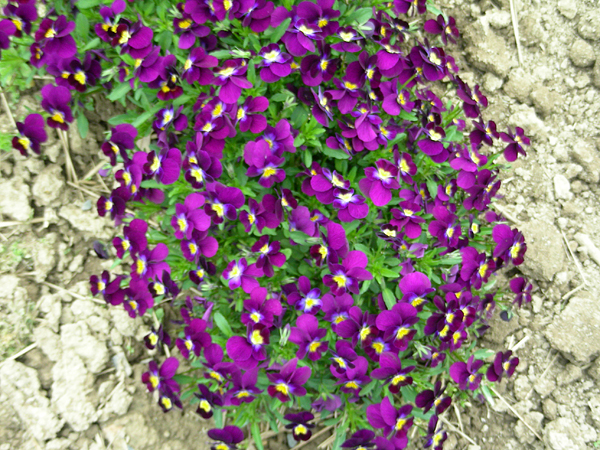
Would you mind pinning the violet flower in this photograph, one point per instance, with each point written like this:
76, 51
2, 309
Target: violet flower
415, 287
189, 217
299, 425
149, 263
325, 183
329, 403
337, 309
197, 67
255, 14
157, 378
280, 138
522, 288
165, 166
259, 309
229, 436
503, 365
473, 100
164, 285
269, 255
359, 326
263, 163
21, 15
433, 398
244, 388
342, 358
307, 336
346, 277
447, 30
122, 138
217, 369
55, 101
465, 374
134, 238
362, 439
476, 267
380, 182
391, 370
305, 298
395, 101
405, 164
349, 37
393, 421
231, 78
7, 29
299, 37
222, 201
114, 204
56, 37
246, 115
134, 39
111, 290
446, 227
355, 378
397, 324
435, 439
247, 351
407, 219
194, 338
262, 214
516, 140
510, 244
167, 116
139, 299
300, 220
207, 400
350, 207
200, 167
347, 93
31, 134
483, 132
288, 381
483, 190
240, 274
275, 64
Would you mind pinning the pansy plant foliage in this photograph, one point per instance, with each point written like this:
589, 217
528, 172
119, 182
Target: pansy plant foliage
290, 183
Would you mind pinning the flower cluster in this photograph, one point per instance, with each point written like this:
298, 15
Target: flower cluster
316, 215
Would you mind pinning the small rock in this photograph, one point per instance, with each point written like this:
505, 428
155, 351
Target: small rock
596, 73
9, 285
567, 8
71, 391
136, 431
123, 323
582, 54
549, 408
562, 187
498, 18
22, 387
575, 331
531, 30
14, 200
563, 434
44, 255
594, 370
545, 253
534, 419
571, 374
78, 338
491, 83
48, 341
584, 153
48, 185
487, 51
518, 86
51, 306
59, 444
544, 100
525, 117
86, 221
544, 386
589, 25
594, 404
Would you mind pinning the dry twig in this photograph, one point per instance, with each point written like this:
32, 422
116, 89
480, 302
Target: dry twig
19, 354
457, 431
515, 412
515, 22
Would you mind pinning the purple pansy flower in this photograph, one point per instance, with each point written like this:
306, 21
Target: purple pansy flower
347, 93
433, 398
164, 285
288, 381
165, 165
247, 351
516, 140
255, 14
473, 100
355, 378
244, 388
407, 219
7, 29
361, 439
503, 365
280, 138
56, 37
446, 227
346, 277
189, 217
299, 425
228, 437
510, 244
21, 16
391, 370
55, 101
522, 288
207, 400
435, 439
134, 238
380, 182
483, 190
114, 204
156, 338
217, 369
195, 338
269, 255
111, 290
349, 37
197, 67
246, 114
262, 214
307, 336
439, 25
134, 39
305, 298
31, 134
395, 101
201, 167
325, 183
231, 77
465, 374
342, 358
122, 138
188, 30
139, 299
415, 287
240, 274
275, 64
476, 267
337, 308
299, 37
360, 326
350, 207
263, 163
259, 309
396, 324
300, 220
222, 201
393, 421
157, 378
149, 263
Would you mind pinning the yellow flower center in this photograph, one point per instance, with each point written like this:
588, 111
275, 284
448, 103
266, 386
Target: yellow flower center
364, 333
435, 59
124, 37
189, 344
283, 388
188, 64
346, 36
383, 174
50, 33
435, 136
216, 376
265, 249
140, 266
305, 30
218, 208
185, 24
166, 402
168, 117
475, 228
58, 117
340, 362
339, 319
514, 250
255, 317
346, 197
251, 218
378, 347
400, 424
351, 385
243, 394
272, 55
314, 346
450, 232
154, 381
182, 223
350, 86
408, 212
256, 338
340, 280
269, 172
241, 113
155, 164
336, 181
17, 23
204, 405
218, 110
25, 142
153, 338
370, 72
159, 288
193, 248
398, 379
323, 251
402, 332
324, 64
322, 22
227, 5
227, 72
389, 232
482, 270
197, 174
300, 429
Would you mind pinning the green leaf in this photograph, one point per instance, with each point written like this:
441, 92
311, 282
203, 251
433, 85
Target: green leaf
389, 273
184, 379
488, 395
280, 30
165, 39
308, 158
368, 388
338, 154
143, 117
151, 184
483, 353
82, 125
302, 238
361, 15
220, 54
119, 92
82, 26
388, 298
299, 115
87, 4
281, 97
256, 436
299, 141
432, 188
92, 44
223, 324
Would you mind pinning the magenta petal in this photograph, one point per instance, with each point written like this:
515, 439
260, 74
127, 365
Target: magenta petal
358, 211
430, 147
457, 370
209, 247
169, 367
238, 348
229, 93
355, 258
374, 416
388, 412
379, 195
